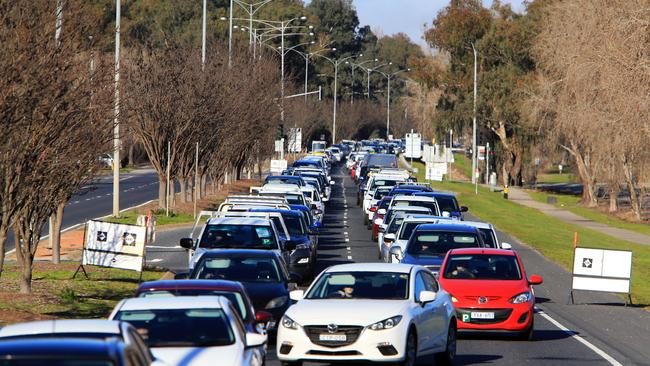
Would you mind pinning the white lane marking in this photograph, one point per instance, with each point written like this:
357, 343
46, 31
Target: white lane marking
346, 206
155, 260
349, 248
164, 247
347, 240
126, 178
88, 199
349, 257
572, 334
345, 233
73, 202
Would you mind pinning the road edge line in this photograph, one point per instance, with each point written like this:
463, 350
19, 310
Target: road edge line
580, 339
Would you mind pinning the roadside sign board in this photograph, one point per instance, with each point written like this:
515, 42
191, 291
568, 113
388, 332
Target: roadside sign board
278, 166
413, 146
278, 146
435, 171
295, 140
108, 244
602, 270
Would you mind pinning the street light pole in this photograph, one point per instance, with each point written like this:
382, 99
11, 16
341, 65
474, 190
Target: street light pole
474, 152
388, 111
203, 35
116, 123
230, 37
336, 75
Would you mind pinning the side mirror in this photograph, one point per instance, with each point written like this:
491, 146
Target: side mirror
263, 316
380, 229
318, 224
297, 295
427, 296
396, 252
255, 340
506, 246
332, 183
181, 276
187, 243
373, 209
389, 238
535, 280
464, 208
446, 214
381, 211
317, 212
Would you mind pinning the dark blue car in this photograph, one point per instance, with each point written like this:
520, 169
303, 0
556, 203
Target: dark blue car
65, 352
285, 179
429, 244
303, 248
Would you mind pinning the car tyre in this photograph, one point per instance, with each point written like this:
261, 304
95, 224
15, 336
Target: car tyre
411, 350
365, 220
447, 357
291, 363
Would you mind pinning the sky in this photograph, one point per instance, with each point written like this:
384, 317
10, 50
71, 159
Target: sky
407, 16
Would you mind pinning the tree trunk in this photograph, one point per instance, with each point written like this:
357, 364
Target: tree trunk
183, 183
25, 261
631, 187
172, 193
614, 189
162, 191
587, 179
57, 219
131, 153
204, 182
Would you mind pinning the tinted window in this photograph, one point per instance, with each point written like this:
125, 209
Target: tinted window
381, 193
482, 267
383, 182
361, 285
427, 204
283, 180
245, 269
407, 230
395, 224
448, 204
294, 225
238, 236
181, 327
488, 238
234, 297
438, 243
381, 160
39, 361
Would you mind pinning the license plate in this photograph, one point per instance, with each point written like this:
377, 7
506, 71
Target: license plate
333, 337
482, 315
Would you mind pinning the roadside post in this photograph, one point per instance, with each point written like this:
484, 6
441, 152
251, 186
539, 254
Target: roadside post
505, 192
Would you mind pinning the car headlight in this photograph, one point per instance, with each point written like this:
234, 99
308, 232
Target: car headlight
288, 323
303, 260
454, 299
277, 302
521, 298
386, 323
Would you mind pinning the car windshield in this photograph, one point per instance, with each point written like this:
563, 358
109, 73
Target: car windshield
382, 160
282, 180
383, 182
294, 225
234, 297
244, 269
488, 238
395, 224
181, 327
448, 204
404, 212
482, 267
427, 204
360, 285
380, 193
438, 243
238, 236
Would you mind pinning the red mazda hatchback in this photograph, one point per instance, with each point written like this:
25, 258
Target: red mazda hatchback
490, 290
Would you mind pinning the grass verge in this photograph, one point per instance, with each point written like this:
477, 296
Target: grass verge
571, 203
556, 178
463, 163
130, 217
550, 236
57, 295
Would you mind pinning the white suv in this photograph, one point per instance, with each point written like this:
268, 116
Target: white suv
374, 312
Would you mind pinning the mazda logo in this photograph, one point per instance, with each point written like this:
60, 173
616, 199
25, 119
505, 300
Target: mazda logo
482, 300
332, 328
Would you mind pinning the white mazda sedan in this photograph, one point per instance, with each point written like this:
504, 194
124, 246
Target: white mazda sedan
376, 312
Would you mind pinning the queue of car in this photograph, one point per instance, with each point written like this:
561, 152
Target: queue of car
248, 259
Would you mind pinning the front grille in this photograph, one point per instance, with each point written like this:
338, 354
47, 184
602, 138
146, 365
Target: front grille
351, 332
488, 298
500, 315
333, 353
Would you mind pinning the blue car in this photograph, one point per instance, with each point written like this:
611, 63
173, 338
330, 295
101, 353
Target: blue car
285, 179
303, 248
447, 203
66, 351
429, 244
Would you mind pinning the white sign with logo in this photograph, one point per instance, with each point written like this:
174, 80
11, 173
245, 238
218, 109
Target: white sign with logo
602, 270
278, 166
435, 171
295, 140
115, 245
